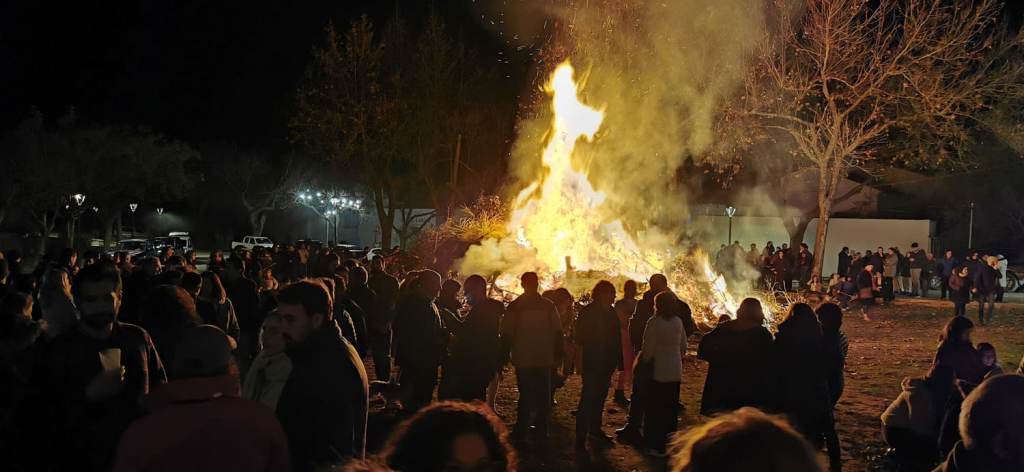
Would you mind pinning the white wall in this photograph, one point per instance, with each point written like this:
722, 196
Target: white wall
859, 234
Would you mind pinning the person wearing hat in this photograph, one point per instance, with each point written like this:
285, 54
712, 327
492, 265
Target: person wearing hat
198, 421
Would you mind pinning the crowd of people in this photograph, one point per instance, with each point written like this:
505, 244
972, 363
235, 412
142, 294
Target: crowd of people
259, 362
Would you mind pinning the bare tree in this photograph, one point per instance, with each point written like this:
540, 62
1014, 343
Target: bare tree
853, 84
263, 184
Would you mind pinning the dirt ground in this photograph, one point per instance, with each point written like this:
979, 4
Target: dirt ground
900, 343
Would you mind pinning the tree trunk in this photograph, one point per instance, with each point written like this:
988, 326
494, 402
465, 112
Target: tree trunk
108, 230
257, 221
796, 226
385, 217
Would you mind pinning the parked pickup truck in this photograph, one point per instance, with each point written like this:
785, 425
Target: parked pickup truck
250, 242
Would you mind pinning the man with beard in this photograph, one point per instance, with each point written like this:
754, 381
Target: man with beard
97, 373
323, 405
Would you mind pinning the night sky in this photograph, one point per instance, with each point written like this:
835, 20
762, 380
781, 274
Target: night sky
201, 70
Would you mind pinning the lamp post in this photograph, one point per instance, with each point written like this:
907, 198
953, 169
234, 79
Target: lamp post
159, 218
76, 214
970, 229
730, 212
133, 206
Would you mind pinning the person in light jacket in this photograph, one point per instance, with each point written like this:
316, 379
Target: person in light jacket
270, 369
664, 345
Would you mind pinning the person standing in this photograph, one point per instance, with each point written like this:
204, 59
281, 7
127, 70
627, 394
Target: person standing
918, 261
624, 308
866, 291
960, 290
323, 406
903, 274
664, 347
802, 381
986, 288
944, 267
421, 341
476, 351
532, 335
843, 266
737, 353
597, 334
889, 264
637, 325
804, 260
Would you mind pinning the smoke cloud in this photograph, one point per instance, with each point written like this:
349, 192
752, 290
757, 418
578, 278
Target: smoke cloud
659, 70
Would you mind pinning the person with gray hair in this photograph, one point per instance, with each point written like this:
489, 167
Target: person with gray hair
991, 428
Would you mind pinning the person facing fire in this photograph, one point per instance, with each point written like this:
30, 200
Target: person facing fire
624, 308
597, 335
532, 335
637, 323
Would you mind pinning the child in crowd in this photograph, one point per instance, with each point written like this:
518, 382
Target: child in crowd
989, 359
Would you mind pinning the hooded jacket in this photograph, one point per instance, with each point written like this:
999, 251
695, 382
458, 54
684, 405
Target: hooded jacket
914, 409
201, 424
738, 369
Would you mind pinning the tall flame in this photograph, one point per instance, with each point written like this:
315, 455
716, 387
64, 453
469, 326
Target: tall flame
559, 216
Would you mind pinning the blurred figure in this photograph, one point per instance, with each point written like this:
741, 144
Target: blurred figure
624, 308
960, 290
270, 370
802, 392
420, 341
168, 313
323, 405
910, 426
986, 288
378, 323
450, 436
866, 291
198, 416
991, 428
989, 360
59, 311
214, 306
664, 346
836, 346
743, 441
737, 354
597, 335
21, 398
476, 351
532, 334
637, 325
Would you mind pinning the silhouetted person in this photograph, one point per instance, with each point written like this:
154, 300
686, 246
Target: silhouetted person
22, 399
991, 428
843, 267
801, 378
323, 407
911, 423
597, 335
743, 441
624, 308
986, 288
450, 436
476, 351
385, 287
168, 312
378, 322
836, 346
737, 353
198, 417
245, 298
960, 290
420, 341
532, 333
214, 306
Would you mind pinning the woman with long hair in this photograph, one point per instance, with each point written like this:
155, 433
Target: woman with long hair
214, 307
802, 384
664, 345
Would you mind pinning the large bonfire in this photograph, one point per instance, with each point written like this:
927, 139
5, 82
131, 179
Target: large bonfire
557, 223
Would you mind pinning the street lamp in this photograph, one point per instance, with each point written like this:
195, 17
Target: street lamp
76, 214
730, 212
133, 206
78, 198
327, 225
970, 229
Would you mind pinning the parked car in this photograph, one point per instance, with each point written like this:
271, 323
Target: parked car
250, 242
182, 241
133, 247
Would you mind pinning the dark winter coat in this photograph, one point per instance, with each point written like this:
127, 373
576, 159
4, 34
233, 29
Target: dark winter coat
836, 347
221, 315
959, 289
963, 358
738, 367
801, 379
476, 350
420, 336
597, 333
644, 311
986, 280
202, 424
843, 268
367, 300
531, 332
245, 298
323, 407
385, 288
